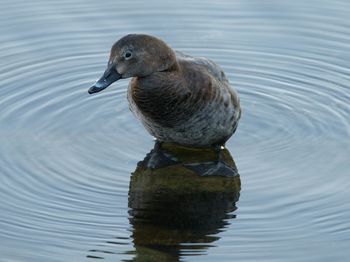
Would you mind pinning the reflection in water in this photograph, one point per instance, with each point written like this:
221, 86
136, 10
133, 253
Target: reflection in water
180, 199
175, 206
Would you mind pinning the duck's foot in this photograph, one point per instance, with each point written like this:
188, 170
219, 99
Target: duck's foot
215, 168
158, 158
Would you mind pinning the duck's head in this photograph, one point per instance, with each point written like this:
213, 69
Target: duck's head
135, 55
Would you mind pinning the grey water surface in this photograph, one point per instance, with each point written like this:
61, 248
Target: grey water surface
72, 187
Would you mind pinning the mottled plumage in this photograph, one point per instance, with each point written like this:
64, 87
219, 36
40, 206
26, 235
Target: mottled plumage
178, 98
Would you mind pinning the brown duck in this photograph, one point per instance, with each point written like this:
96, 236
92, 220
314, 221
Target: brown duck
178, 98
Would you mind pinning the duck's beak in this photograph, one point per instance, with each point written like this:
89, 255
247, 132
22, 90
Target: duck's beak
109, 76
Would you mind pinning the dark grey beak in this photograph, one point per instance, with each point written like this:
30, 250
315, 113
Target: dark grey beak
109, 76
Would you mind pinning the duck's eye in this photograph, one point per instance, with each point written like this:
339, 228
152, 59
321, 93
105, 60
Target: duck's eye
127, 55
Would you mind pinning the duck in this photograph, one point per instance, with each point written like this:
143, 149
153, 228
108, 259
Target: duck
178, 98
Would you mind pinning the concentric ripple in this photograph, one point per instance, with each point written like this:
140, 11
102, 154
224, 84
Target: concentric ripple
66, 156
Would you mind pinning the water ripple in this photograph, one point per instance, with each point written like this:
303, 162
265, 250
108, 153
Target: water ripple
66, 156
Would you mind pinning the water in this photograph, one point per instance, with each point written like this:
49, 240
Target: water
66, 158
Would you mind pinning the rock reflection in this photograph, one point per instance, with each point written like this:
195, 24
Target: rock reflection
180, 199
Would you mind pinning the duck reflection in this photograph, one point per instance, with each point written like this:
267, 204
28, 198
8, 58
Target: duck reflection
180, 199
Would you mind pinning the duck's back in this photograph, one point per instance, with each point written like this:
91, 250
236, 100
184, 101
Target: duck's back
205, 64
193, 105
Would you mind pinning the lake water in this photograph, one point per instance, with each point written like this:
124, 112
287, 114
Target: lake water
67, 192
